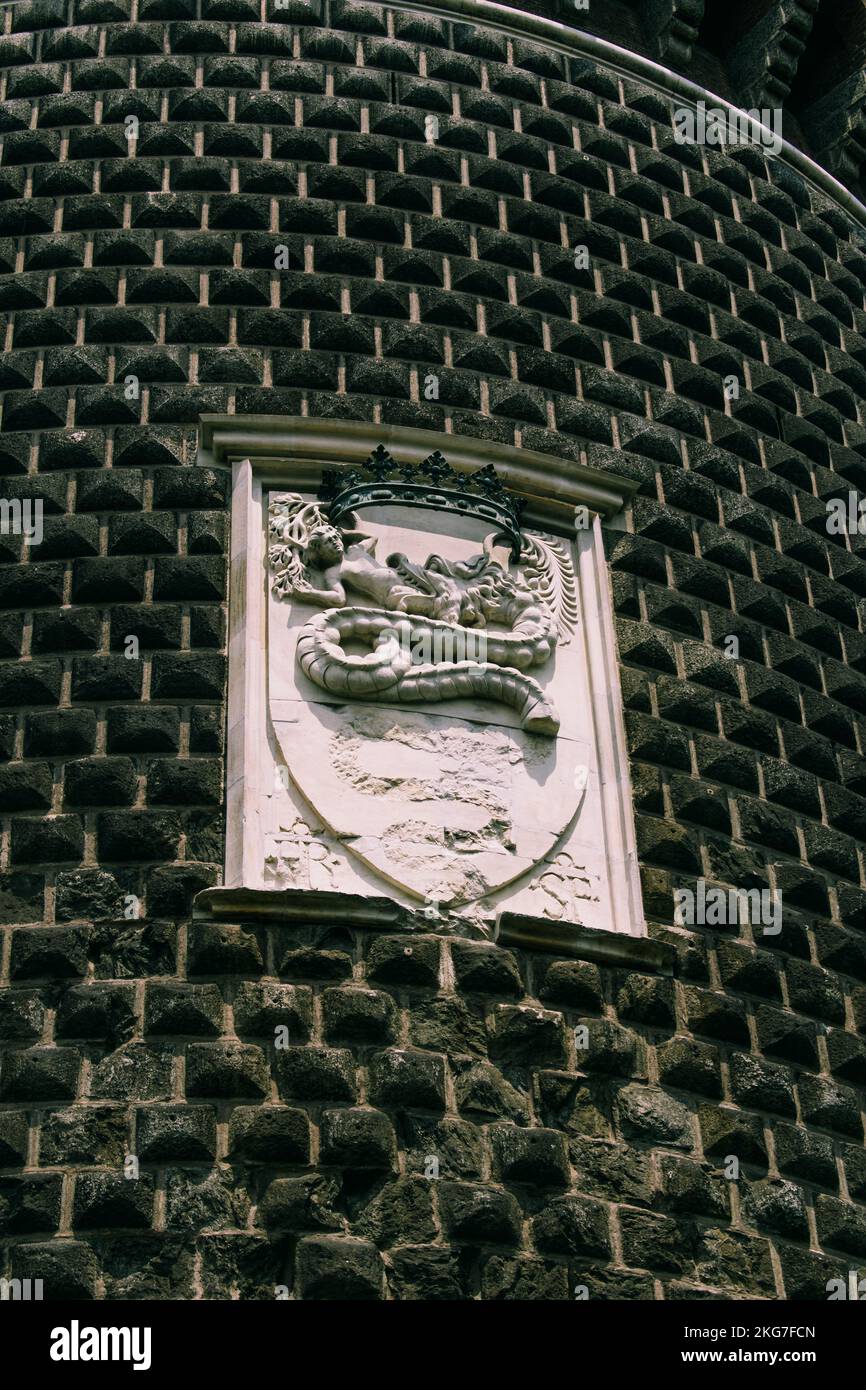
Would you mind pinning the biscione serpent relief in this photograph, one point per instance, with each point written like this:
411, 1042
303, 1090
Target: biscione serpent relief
490, 626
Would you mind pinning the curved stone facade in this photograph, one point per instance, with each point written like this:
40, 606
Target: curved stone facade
353, 211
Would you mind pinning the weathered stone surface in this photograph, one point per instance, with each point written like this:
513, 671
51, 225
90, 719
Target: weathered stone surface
338, 1267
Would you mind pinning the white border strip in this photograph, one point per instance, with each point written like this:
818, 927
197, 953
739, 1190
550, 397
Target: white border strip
617, 800
247, 679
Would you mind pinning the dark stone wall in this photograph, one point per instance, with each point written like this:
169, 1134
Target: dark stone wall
124, 1030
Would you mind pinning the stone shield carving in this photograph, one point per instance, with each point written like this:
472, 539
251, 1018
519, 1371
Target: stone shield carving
430, 706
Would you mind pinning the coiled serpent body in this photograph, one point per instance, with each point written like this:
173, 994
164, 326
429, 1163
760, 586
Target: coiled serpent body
388, 672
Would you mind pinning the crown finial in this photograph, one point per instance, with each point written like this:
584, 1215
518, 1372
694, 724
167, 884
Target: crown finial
380, 463
438, 471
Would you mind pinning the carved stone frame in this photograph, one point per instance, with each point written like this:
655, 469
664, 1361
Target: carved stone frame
290, 452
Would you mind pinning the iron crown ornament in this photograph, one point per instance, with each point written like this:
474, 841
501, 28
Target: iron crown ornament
432, 486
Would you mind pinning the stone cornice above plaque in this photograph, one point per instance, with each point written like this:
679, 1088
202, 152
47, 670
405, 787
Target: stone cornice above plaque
550, 487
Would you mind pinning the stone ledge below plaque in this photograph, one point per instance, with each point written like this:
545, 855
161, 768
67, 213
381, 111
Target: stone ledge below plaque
314, 907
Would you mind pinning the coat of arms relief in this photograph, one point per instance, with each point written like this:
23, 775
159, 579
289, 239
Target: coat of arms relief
428, 699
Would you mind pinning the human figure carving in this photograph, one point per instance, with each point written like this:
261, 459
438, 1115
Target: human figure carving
354, 566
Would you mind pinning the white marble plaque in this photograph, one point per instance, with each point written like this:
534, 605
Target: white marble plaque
415, 713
